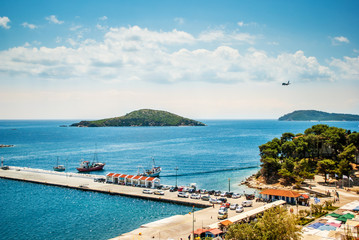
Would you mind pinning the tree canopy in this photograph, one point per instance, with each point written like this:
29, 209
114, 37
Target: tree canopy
275, 224
321, 149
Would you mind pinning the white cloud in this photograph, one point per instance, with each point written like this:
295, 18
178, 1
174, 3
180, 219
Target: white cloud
75, 28
100, 27
29, 25
136, 54
104, 18
179, 21
339, 40
4, 22
53, 19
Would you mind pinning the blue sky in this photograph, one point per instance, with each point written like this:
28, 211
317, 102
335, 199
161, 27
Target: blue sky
200, 59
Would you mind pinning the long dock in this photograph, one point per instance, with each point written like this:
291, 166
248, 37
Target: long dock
85, 182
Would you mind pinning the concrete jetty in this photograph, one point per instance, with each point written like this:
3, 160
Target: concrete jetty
85, 182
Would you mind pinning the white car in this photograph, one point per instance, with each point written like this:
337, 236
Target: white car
247, 203
159, 192
233, 206
182, 194
236, 195
223, 194
196, 196
239, 209
213, 200
222, 210
147, 191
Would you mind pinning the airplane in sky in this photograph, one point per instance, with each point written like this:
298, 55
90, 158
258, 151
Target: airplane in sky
285, 84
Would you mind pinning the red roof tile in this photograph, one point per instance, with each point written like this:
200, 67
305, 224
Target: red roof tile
136, 177
226, 222
116, 175
215, 231
110, 174
282, 193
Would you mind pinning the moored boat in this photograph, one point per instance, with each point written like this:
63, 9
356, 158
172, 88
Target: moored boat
153, 172
86, 166
59, 168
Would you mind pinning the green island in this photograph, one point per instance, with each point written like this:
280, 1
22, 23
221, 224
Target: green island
313, 115
143, 118
322, 149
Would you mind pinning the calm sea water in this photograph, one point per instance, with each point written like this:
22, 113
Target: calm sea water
218, 156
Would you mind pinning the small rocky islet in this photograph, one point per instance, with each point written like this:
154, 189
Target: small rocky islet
142, 118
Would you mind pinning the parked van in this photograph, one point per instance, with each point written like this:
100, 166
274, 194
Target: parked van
247, 203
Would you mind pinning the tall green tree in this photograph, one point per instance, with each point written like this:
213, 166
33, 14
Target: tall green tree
326, 166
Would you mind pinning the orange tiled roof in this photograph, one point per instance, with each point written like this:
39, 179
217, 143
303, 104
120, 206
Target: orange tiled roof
110, 174
136, 177
116, 175
226, 222
282, 193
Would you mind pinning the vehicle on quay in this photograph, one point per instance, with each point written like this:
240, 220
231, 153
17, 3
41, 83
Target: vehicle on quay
222, 199
159, 192
147, 191
213, 200
102, 180
195, 196
203, 191
239, 209
165, 187
222, 215
233, 206
247, 203
205, 197
236, 195
183, 195
227, 204
217, 193
211, 192
224, 194
229, 194
250, 196
173, 189
222, 209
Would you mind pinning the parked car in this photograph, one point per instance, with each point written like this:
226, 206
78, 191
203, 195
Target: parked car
159, 192
247, 203
195, 196
102, 180
147, 191
183, 195
219, 201
165, 187
180, 189
222, 209
224, 194
236, 195
224, 200
191, 190
173, 189
205, 197
213, 200
203, 191
211, 192
233, 206
239, 209
229, 194
217, 193
223, 215
227, 204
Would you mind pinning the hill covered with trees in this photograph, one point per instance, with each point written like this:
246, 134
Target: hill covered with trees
143, 117
313, 115
320, 150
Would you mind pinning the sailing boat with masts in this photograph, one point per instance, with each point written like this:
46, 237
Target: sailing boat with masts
59, 168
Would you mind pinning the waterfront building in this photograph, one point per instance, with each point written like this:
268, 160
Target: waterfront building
133, 180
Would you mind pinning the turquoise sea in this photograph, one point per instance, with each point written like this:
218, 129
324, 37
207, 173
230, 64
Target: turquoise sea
217, 156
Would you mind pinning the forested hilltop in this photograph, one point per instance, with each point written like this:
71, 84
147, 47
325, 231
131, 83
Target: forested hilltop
313, 115
143, 117
320, 150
